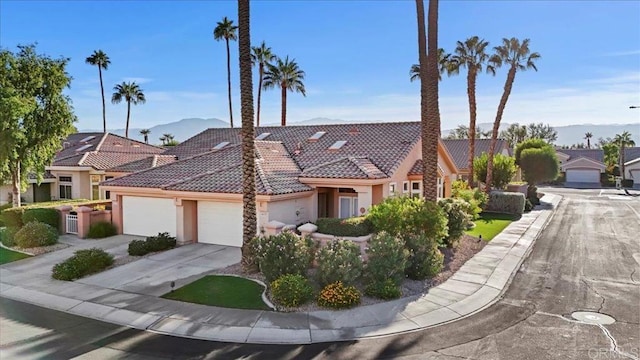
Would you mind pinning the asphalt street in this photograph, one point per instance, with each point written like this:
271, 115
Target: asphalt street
587, 259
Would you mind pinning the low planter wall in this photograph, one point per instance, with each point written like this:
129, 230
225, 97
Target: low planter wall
361, 241
521, 188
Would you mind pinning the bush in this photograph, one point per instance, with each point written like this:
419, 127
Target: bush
44, 215
539, 164
2, 208
425, 259
355, 226
138, 248
101, 230
459, 218
528, 206
291, 290
160, 242
477, 198
506, 202
504, 167
386, 290
400, 215
82, 263
339, 260
338, 296
7, 236
282, 254
12, 217
387, 259
534, 143
627, 183
35, 234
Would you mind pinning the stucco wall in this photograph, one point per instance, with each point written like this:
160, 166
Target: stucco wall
80, 187
4, 194
292, 211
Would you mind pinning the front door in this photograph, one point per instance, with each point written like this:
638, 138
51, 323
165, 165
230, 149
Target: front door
322, 205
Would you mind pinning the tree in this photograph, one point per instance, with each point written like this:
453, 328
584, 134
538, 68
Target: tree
227, 31
263, 57
471, 55
288, 76
539, 164
132, 94
514, 134
623, 140
249, 219
528, 144
588, 137
518, 57
462, 132
163, 138
35, 114
444, 65
504, 168
145, 133
542, 131
101, 60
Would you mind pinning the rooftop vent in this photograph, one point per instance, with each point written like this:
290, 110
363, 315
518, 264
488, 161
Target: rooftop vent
263, 136
354, 131
84, 147
88, 138
221, 145
317, 136
337, 145
66, 144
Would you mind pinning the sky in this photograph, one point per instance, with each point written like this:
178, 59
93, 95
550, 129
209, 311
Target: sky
356, 56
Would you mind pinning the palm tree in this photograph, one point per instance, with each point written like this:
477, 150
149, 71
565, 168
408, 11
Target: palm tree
518, 57
163, 138
101, 60
131, 93
249, 219
444, 65
227, 31
262, 56
623, 140
145, 133
471, 55
588, 137
288, 76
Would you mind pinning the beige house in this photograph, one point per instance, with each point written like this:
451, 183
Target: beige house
582, 166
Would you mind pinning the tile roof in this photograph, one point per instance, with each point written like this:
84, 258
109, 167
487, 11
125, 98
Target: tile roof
631, 153
346, 168
416, 169
593, 154
146, 163
47, 175
102, 151
459, 149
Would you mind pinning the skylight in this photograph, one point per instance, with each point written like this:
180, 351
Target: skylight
221, 145
84, 147
337, 145
262, 136
317, 136
88, 138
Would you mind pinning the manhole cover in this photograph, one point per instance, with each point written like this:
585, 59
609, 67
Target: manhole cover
593, 318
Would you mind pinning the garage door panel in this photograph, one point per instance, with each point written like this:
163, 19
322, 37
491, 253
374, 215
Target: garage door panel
582, 176
146, 216
220, 223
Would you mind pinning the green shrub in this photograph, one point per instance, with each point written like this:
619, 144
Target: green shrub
504, 167
459, 218
138, 248
82, 263
425, 259
539, 164
528, 206
285, 253
386, 290
2, 208
160, 242
339, 260
387, 259
291, 290
101, 230
35, 234
506, 202
355, 226
12, 217
477, 198
7, 236
338, 296
48, 216
399, 215
627, 183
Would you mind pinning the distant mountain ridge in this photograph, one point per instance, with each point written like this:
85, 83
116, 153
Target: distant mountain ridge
186, 128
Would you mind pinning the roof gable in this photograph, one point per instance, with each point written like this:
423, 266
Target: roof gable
593, 154
583, 162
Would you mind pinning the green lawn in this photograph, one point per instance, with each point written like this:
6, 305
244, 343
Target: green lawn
223, 291
7, 256
491, 224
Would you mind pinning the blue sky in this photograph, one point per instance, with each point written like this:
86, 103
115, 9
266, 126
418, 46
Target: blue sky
356, 55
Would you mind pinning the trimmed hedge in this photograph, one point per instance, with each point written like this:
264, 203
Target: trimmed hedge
101, 230
160, 242
36, 234
81, 264
2, 208
355, 226
506, 202
12, 217
48, 216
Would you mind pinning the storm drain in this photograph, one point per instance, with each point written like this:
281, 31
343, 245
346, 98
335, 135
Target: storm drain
593, 318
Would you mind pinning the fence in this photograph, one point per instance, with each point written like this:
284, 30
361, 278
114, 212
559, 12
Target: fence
72, 224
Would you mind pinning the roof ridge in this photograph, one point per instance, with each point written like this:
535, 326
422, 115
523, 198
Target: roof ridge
206, 173
84, 157
311, 168
134, 140
104, 138
402, 157
263, 177
362, 168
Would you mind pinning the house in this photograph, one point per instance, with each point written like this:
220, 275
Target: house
632, 165
582, 165
459, 150
302, 173
84, 161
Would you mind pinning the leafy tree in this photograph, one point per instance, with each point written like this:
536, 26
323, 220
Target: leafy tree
227, 31
101, 60
588, 137
518, 57
444, 65
504, 168
145, 133
263, 57
517, 133
249, 218
35, 114
288, 76
623, 140
539, 164
132, 94
514, 134
529, 144
462, 132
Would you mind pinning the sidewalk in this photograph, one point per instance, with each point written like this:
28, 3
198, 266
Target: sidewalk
475, 286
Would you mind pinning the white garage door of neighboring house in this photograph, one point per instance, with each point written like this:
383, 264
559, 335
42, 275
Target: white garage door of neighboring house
147, 216
220, 223
583, 176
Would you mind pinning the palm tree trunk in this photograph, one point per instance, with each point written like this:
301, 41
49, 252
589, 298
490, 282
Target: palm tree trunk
424, 89
249, 220
430, 162
471, 93
622, 146
283, 120
146, 138
496, 125
229, 83
126, 130
15, 185
261, 71
104, 111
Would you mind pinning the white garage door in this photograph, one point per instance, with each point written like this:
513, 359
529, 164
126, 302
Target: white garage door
583, 176
220, 223
147, 216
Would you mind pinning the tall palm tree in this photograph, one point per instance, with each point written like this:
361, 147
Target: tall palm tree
471, 55
518, 57
288, 76
588, 137
101, 60
249, 219
623, 140
227, 31
132, 94
163, 138
262, 56
145, 133
444, 65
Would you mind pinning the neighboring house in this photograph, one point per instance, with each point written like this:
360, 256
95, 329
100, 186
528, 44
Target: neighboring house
581, 165
302, 173
632, 165
459, 150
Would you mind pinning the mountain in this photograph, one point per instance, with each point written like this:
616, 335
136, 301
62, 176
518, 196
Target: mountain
181, 130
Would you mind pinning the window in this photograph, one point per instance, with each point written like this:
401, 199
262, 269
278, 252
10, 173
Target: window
392, 189
221, 145
65, 186
348, 206
317, 136
416, 186
65, 179
337, 145
440, 188
262, 136
107, 195
405, 187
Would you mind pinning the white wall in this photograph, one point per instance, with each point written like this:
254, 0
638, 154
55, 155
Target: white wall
633, 172
285, 210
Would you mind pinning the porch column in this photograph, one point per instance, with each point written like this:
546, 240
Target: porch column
186, 225
116, 212
84, 221
365, 199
